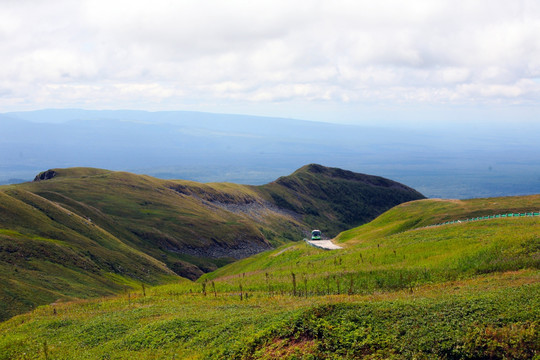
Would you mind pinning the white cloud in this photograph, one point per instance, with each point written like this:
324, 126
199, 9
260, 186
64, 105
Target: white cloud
138, 53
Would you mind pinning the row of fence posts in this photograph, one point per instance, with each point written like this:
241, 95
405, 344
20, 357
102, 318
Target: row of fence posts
296, 292
336, 284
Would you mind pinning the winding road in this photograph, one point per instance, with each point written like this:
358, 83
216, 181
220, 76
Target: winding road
323, 244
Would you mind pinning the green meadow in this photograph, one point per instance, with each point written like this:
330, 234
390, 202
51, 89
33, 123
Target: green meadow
85, 233
383, 255
492, 316
397, 290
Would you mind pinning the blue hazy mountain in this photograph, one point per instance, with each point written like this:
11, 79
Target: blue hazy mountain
449, 162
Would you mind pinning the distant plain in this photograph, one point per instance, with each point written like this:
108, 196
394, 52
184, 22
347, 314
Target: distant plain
453, 161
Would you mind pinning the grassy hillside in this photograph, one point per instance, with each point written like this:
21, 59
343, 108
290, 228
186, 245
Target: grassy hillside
334, 200
49, 253
460, 291
85, 232
490, 317
382, 256
418, 214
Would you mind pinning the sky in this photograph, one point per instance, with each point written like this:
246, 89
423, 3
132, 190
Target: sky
349, 61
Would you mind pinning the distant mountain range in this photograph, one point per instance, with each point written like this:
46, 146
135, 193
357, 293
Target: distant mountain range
86, 232
452, 162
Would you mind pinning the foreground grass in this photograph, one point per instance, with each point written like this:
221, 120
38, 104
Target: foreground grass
400, 261
490, 316
461, 291
416, 214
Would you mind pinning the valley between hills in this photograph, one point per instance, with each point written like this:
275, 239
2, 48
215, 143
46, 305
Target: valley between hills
99, 264
84, 232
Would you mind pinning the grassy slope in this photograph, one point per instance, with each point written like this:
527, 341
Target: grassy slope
90, 232
148, 214
398, 261
84, 232
456, 291
65, 256
434, 211
491, 315
334, 200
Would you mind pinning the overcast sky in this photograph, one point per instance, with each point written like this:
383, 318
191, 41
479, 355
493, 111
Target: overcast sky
345, 61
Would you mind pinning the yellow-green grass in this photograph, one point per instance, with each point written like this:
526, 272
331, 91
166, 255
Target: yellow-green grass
372, 261
144, 204
96, 222
467, 290
160, 219
427, 212
396, 251
50, 253
489, 316
91, 232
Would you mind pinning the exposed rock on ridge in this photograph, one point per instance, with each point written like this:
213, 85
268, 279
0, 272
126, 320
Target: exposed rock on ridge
45, 175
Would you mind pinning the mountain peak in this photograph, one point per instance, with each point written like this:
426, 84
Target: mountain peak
75, 172
346, 175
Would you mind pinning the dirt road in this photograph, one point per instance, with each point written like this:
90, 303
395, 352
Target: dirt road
324, 244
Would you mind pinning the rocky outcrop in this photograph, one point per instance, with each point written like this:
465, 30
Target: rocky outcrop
45, 175
237, 251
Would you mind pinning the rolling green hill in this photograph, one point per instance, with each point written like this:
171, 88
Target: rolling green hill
83, 232
333, 199
435, 211
397, 290
396, 251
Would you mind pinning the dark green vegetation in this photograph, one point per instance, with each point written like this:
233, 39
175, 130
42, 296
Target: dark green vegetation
333, 199
85, 232
396, 291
